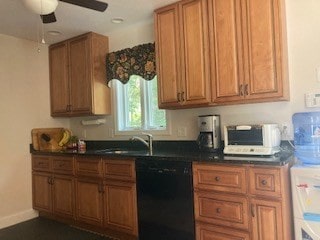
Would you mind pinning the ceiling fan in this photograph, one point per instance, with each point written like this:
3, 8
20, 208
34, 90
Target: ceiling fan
46, 8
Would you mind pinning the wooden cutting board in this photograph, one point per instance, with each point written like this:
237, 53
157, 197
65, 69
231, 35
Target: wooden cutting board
46, 138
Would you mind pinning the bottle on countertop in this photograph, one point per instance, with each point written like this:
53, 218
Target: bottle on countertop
81, 146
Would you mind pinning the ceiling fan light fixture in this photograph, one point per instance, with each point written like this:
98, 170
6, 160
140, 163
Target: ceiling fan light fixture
41, 7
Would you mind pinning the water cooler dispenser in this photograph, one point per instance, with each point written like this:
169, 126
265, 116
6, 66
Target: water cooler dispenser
305, 176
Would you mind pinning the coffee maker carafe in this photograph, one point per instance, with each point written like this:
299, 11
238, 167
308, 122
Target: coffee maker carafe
209, 139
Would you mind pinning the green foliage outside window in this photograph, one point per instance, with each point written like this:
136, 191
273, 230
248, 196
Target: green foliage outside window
140, 105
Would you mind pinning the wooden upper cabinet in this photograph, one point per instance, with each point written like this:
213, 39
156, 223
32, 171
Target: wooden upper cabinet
59, 78
77, 76
226, 49
80, 72
168, 53
267, 49
182, 54
248, 51
221, 52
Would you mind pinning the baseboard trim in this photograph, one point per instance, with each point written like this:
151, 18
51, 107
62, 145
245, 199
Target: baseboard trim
17, 218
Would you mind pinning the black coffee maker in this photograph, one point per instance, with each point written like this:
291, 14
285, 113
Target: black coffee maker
209, 139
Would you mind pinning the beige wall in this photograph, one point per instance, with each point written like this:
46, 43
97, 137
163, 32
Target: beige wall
303, 47
24, 104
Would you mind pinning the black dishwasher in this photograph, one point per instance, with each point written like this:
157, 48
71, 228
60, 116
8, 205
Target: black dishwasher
165, 199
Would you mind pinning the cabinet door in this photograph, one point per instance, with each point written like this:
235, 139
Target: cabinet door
266, 220
121, 206
167, 41
195, 52
89, 199
63, 196
266, 49
226, 50
59, 79
41, 191
80, 75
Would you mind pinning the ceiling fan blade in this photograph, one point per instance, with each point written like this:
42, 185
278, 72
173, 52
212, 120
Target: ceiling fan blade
91, 4
48, 18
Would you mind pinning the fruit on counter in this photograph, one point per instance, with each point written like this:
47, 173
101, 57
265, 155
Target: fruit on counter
65, 137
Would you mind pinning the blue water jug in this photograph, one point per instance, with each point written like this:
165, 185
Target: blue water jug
307, 136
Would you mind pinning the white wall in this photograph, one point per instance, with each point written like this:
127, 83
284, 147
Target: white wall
24, 104
303, 21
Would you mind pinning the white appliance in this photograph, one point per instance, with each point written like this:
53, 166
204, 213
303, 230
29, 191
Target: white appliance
305, 184
257, 139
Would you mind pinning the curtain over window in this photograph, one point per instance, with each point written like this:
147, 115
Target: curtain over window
139, 60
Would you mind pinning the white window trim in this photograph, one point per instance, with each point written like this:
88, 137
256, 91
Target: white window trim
166, 132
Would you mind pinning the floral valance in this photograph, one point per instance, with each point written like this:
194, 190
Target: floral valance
139, 60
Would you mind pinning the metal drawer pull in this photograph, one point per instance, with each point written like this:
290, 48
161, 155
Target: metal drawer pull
252, 210
264, 182
246, 89
182, 97
217, 179
241, 90
178, 96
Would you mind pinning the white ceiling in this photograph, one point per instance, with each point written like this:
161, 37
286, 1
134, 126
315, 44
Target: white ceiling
17, 21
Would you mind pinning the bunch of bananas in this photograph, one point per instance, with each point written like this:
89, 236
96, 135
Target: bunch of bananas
65, 137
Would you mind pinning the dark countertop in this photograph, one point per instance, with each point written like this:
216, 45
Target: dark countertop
172, 150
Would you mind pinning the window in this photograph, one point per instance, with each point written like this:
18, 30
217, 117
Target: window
137, 106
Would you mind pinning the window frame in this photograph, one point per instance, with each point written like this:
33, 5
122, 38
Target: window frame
130, 132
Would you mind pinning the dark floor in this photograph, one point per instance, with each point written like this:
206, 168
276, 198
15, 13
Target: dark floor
45, 229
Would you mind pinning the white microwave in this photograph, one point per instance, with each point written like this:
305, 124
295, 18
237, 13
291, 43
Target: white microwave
258, 139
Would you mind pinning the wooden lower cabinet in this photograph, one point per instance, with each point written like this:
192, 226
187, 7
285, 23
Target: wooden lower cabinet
259, 210
266, 220
89, 192
120, 206
41, 191
212, 232
63, 196
89, 201
53, 194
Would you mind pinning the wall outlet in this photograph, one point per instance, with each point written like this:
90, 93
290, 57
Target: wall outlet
182, 131
285, 130
84, 134
111, 133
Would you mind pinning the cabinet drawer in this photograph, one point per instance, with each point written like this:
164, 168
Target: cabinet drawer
221, 209
41, 163
91, 167
220, 178
63, 165
265, 181
210, 232
119, 169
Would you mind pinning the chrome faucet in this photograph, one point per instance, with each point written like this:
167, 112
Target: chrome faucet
148, 142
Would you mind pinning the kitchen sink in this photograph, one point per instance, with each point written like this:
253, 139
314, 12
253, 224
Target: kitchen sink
121, 151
